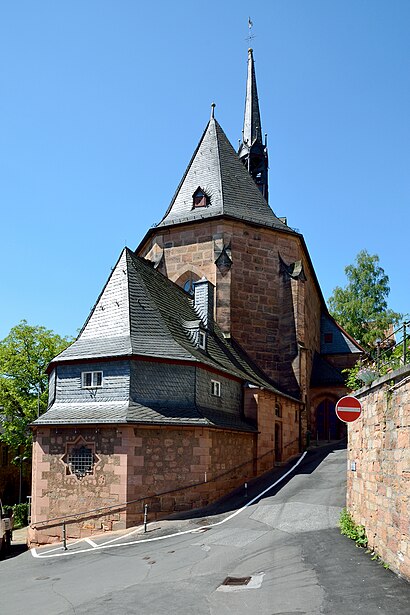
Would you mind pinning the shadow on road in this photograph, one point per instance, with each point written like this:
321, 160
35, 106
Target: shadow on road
241, 495
15, 550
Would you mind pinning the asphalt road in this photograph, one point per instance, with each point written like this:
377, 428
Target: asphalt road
285, 546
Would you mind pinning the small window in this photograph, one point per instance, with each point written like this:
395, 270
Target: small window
200, 199
91, 380
81, 461
215, 388
278, 410
328, 338
202, 340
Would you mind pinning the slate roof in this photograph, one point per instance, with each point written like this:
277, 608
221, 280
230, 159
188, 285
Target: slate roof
95, 413
325, 374
140, 312
341, 343
252, 126
157, 310
216, 169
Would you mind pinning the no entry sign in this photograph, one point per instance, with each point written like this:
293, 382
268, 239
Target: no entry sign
348, 409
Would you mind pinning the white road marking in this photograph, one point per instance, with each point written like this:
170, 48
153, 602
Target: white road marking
109, 545
90, 542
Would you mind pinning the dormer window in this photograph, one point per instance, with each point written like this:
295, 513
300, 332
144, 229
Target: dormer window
215, 388
202, 340
200, 199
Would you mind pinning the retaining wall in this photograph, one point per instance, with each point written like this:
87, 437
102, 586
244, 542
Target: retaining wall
378, 485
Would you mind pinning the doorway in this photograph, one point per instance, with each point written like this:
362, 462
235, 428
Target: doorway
328, 426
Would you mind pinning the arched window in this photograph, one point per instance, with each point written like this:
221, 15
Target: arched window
186, 281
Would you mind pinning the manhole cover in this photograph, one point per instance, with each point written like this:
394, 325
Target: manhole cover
236, 581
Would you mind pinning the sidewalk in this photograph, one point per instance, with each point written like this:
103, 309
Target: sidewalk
20, 536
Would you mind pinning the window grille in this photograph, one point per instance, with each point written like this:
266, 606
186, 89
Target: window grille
81, 461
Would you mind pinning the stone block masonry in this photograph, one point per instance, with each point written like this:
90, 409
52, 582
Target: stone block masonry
378, 490
171, 470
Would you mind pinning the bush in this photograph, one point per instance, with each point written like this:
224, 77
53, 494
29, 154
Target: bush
349, 528
20, 512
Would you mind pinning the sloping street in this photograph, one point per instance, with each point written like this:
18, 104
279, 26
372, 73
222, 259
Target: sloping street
282, 554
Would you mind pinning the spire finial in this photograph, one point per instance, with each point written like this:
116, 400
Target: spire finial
250, 35
213, 110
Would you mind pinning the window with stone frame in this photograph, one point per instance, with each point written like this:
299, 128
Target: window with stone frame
80, 458
186, 281
81, 461
278, 410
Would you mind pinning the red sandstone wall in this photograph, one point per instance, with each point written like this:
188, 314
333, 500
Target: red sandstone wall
261, 405
57, 494
278, 312
169, 469
378, 492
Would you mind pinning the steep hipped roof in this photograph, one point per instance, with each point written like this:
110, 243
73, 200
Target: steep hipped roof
231, 191
140, 312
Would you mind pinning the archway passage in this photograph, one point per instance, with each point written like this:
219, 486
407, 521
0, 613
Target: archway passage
328, 426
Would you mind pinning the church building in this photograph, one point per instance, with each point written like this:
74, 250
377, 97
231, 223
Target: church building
209, 356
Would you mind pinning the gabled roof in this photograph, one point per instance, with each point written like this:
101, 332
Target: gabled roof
231, 191
341, 342
325, 374
140, 312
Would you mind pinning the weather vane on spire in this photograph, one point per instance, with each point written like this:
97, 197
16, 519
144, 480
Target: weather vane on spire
250, 35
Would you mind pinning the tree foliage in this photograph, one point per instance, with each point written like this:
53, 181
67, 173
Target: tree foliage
24, 356
361, 307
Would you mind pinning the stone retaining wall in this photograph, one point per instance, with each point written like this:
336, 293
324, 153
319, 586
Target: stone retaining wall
378, 486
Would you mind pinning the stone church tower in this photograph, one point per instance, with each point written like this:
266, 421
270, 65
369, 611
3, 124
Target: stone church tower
220, 226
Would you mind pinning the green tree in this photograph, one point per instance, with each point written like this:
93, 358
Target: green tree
24, 356
361, 307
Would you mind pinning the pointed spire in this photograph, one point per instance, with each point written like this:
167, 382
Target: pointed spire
252, 151
252, 129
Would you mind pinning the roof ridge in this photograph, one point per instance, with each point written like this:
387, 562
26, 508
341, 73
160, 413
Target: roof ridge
217, 125
185, 173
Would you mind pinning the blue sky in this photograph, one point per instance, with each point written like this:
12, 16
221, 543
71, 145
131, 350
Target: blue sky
103, 102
